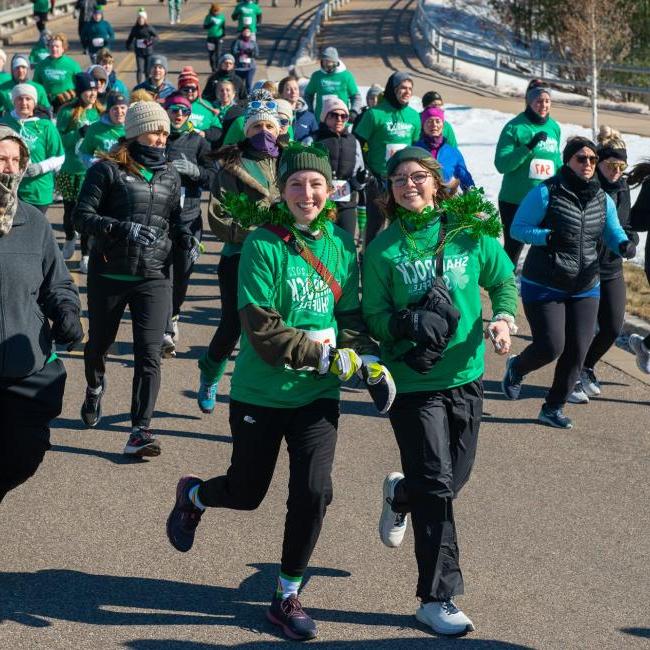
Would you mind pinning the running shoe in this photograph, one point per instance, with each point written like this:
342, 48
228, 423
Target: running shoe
83, 265
184, 517
590, 383
392, 525
168, 348
637, 345
578, 394
175, 334
91, 409
207, 395
69, 246
142, 443
444, 618
511, 384
554, 417
292, 618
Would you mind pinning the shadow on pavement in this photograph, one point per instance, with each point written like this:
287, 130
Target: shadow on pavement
643, 632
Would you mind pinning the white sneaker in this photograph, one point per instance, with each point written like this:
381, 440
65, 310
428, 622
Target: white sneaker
175, 328
444, 618
590, 383
83, 265
392, 525
68, 248
578, 395
642, 353
168, 348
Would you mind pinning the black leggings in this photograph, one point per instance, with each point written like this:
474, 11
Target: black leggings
512, 247
225, 338
611, 314
257, 433
564, 329
215, 54
68, 226
28, 406
148, 302
141, 67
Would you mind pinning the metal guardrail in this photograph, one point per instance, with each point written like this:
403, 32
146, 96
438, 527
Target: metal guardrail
306, 51
518, 65
20, 17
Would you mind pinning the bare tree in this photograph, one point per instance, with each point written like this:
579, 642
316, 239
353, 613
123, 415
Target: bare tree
597, 33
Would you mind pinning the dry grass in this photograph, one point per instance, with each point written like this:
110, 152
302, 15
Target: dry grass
638, 291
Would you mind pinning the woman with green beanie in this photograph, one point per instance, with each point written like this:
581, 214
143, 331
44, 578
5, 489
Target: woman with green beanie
422, 278
298, 299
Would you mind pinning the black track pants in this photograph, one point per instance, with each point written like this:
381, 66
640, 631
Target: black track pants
225, 338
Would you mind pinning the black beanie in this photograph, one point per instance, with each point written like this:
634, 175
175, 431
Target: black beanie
607, 151
574, 145
83, 81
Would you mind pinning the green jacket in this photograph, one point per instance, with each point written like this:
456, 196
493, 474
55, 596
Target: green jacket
71, 136
215, 25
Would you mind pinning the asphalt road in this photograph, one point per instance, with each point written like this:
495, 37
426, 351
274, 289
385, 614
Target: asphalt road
553, 525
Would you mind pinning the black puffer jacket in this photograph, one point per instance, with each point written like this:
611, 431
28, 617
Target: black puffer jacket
141, 33
111, 194
194, 148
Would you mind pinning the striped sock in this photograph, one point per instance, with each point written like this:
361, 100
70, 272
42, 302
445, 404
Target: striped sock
288, 585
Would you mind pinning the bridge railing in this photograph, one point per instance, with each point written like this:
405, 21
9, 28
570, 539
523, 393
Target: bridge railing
307, 49
17, 17
500, 61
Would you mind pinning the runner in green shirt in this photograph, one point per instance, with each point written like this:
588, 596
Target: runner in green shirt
422, 302
104, 134
44, 144
332, 79
41, 49
433, 98
247, 14
215, 23
288, 373
4, 76
56, 73
19, 75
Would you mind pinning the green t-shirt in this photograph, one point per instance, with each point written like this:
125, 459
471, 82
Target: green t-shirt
394, 279
202, 116
43, 142
6, 103
449, 134
56, 75
41, 6
273, 276
522, 168
4, 76
100, 137
246, 14
387, 129
322, 84
38, 53
72, 138
215, 25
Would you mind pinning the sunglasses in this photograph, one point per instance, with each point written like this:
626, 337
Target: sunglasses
189, 89
418, 178
338, 116
617, 166
268, 103
284, 121
176, 108
582, 159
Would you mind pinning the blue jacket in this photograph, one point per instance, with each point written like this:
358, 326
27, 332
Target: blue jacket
304, 126
452, 163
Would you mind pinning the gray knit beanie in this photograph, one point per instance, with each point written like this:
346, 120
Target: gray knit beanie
145, 117
158, 59
24, 89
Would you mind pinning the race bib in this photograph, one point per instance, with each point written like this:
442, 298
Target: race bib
211, 46
248, 21
393, 148
541, 169
245, 60
141, 43
342, 191
98, 42
327, 335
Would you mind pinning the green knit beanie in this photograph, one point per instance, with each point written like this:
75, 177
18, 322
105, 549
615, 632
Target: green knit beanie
297, 157
404, 155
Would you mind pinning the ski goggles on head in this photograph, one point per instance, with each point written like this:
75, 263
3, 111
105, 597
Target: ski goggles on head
179, 108
263, 103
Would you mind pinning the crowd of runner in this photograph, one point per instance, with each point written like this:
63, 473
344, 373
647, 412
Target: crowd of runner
305, 178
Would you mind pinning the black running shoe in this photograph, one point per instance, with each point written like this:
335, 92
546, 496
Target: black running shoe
554, 417
292, 618
91, 409
184, 517
511, 384
142, 443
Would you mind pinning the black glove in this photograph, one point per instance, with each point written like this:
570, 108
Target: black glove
353, 116
135, 232
66, 328
420, 325
422, 358
362, 176
627, 249
192, 245
552, 241
540, 136
632, 236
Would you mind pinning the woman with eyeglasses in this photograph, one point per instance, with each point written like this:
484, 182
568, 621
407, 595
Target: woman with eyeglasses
346, 159
422, 302
248, 167
564, 220
188, 153
245, 51
612, 162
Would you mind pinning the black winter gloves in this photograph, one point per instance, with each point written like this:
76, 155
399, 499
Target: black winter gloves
66, 328
540, 136
627, 249
192, 245
135, 232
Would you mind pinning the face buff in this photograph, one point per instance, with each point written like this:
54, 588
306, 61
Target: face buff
8, 200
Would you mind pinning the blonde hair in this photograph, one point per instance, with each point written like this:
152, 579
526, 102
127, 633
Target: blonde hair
610, 137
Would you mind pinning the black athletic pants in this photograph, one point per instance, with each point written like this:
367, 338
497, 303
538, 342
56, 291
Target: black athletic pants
68, 226
141, 67
375, 219
28, 405
346, 218
437, 435
562, 330
215, 54
225, 338
611, 314
257, 433
512, 247
148, 302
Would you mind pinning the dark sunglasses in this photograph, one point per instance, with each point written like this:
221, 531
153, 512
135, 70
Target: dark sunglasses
175, 108
582, 159
338, 116
189, 89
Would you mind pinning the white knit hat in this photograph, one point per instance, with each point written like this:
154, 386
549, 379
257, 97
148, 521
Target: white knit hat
333, 104
145, 117
24, 89
284, 108
267, 112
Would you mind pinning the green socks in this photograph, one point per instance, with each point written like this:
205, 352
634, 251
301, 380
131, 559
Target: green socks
211, 370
